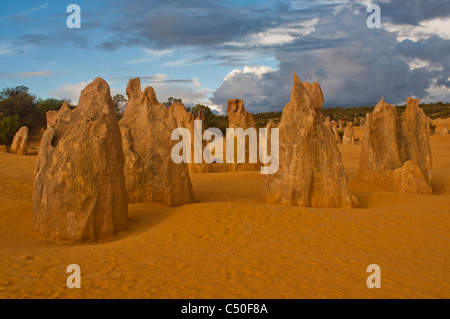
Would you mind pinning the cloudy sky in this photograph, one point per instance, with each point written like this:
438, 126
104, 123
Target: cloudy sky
210, 51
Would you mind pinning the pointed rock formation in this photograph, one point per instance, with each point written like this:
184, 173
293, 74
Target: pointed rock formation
444, 130
238, 117
396, 152
79, 190
327, 124
362, 121
20, 142
335, 132
51, 117
349, 133
150, 173
185, 119
315, 92
311, 173
201, 116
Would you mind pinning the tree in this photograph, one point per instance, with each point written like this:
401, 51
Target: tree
9, 125
171, 100
42, 106
17, 101
13, 92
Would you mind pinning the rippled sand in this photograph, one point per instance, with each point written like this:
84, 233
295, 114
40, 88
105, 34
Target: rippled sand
228, 245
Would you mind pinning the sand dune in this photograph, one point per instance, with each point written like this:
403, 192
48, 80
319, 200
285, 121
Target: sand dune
229, 245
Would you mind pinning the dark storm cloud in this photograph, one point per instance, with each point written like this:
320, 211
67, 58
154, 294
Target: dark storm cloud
434, 49
415, 11
198, 22
358, 68
355, 65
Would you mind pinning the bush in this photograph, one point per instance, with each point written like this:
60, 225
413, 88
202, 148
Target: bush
43, 106
432, 128
9, 125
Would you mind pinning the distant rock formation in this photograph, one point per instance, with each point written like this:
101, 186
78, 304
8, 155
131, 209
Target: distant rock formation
146, 128
185, 119
79, 190
362, 121
20, 142
238, 117
311, 173
4, 148
444, 129
51, 117
396, 152
334, 129
327, 124
349, 133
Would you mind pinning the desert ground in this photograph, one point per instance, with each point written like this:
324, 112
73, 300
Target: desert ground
229, 245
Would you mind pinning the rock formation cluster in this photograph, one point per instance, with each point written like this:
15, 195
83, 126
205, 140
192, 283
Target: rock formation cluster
396, 151
238, 117
185, 119
349, 133
146, 128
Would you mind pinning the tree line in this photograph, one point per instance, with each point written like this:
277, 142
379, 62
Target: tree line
18, 107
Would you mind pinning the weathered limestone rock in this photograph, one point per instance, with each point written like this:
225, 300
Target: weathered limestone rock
20, 142
444, 129
311, 173
340, 125
396, 152
238, 117
315, 92
335, 132
150, 173
52, 117
327, 123
362, 121
185, 119
79, 190
414, 141
4, 148
349, 133
201, 116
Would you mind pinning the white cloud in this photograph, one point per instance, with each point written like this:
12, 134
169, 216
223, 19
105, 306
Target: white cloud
28, 74
256, 70
280, 35
437, 93
419, 63
181, 62
243, 84
70, 91
6, 48
150, 56
424, 30
44, 6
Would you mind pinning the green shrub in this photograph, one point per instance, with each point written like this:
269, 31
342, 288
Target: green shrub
432, 128
9, 125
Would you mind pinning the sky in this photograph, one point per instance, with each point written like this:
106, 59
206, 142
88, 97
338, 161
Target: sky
211, 51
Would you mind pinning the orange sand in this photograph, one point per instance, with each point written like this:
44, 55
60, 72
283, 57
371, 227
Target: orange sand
228, 245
